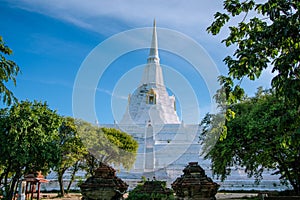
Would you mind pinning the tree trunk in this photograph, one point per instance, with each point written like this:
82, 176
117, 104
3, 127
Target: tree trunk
75, 170
10, 193
61, 184
291, 179
6, 187
14, 181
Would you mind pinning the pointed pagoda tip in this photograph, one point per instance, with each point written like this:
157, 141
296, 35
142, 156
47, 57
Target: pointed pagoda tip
153, 54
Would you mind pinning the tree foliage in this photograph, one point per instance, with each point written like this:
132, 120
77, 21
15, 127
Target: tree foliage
264, 134
107, 145
72, 152
84, 146
28, 137
261, 132
267, 34
8, 72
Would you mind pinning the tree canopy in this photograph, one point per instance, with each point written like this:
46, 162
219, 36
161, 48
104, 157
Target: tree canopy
28, 137
72, 152
266, 35
264, 134
8, 72
108, 145
263, 131
84, 146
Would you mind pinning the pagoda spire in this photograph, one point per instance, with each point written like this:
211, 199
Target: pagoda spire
151, 101
153, 54
153, 72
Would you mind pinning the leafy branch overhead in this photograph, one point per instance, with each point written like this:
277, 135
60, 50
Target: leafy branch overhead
267, 35
8, 72
261, 132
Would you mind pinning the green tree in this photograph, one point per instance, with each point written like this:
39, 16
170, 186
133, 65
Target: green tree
266, 35
123, 148
28, 138
107, 145
264, 134
72, 152
8, 72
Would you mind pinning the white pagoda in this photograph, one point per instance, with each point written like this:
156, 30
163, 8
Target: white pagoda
167, 145
150, 102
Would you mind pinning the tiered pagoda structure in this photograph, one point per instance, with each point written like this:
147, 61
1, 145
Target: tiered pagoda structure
151, 118
165, 143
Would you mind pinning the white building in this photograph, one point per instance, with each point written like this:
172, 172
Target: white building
166, 145
151, 103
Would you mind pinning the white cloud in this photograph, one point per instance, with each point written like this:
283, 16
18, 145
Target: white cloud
182, 15
191, 17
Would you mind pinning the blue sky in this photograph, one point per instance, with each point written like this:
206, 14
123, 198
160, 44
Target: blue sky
51, 39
